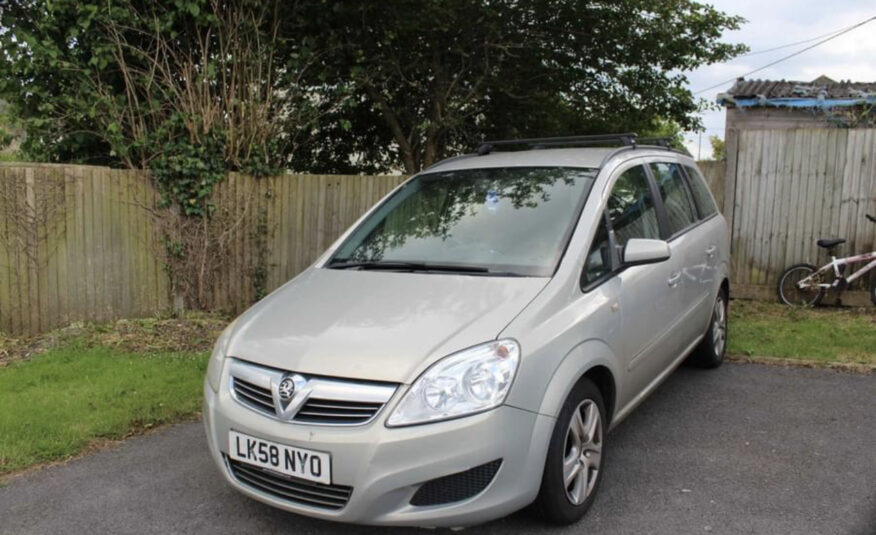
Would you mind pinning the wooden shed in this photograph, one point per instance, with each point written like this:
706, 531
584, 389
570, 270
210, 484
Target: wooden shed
801, 165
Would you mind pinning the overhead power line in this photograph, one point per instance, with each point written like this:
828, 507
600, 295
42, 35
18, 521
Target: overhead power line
803, 42
789, 56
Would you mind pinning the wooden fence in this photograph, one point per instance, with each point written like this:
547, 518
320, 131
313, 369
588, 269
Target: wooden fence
82, 243
79, 243
713, 172
290, 220
74, 245
787, 188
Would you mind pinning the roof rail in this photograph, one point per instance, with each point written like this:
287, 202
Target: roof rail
643, 143
625, 139
664, 142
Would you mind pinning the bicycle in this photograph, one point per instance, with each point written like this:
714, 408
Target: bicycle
806, 285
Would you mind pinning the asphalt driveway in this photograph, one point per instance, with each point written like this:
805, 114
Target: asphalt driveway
743, 449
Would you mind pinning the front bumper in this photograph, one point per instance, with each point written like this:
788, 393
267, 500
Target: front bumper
386, 466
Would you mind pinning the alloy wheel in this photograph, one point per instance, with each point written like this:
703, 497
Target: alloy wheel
719, 326
583, 452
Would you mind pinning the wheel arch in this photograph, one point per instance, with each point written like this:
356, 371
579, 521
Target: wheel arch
605, 382
592, 360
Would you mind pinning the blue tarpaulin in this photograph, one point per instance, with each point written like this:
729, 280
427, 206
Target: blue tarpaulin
796, 102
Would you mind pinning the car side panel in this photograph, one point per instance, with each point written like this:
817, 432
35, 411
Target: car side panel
703, 247
694, 293
651, 310
583, 334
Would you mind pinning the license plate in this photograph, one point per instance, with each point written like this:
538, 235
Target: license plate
289, 460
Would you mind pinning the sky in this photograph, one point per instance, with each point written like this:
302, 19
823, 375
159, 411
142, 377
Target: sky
773, 23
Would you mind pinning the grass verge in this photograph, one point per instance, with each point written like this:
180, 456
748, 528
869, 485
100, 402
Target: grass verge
80, 387
818, 335
59, 403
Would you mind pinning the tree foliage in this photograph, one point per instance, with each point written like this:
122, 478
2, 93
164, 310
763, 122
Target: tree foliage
424, 79
193, 88
665, 129
718, 148
188, 88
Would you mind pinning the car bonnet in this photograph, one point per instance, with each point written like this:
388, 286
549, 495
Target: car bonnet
379, 326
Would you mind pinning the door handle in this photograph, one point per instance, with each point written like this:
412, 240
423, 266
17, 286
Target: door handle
710, 251
674, 279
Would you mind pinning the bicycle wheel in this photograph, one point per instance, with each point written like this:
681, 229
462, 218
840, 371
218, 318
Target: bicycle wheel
791, 294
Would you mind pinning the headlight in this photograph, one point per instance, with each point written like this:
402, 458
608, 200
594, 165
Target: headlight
474, 380
214, 368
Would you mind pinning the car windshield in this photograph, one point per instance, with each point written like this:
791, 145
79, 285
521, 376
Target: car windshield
497, 221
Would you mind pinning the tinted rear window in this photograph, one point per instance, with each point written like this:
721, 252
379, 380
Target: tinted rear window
680, 211
701, 195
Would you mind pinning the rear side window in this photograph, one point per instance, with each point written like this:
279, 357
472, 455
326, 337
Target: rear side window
631, 207
701, 196
680, 212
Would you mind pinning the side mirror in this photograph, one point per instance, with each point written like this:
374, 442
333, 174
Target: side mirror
639, 251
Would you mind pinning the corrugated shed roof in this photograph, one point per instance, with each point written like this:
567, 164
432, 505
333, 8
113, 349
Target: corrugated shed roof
822, 87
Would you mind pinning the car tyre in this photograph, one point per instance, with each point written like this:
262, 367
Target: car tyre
576, 453
711, 350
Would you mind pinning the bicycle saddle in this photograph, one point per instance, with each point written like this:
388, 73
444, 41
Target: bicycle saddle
831, 243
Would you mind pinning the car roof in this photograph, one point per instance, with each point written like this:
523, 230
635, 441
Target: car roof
588, 157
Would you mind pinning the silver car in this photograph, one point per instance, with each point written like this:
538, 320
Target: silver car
463, 350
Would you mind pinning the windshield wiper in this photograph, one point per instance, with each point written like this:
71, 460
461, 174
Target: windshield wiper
393, 265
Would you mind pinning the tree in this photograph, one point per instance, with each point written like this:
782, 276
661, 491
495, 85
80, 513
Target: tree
195, 87
666, 129
188, 88
414, 81
718, 148
6, 135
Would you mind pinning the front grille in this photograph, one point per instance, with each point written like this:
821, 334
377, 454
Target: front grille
254, 396
331, 411
290, 489
314, 411
315, 400
456, 487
